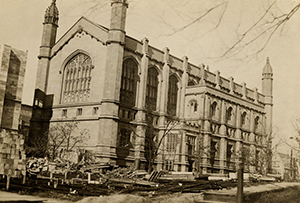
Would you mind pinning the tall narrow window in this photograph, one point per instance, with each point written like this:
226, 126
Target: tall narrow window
229, 114
256, 124
128, 83
77, 79
243, 119
172, 96
79, 112
193, 106
191, 142
213, 109
152, 85
124, 138
171, 142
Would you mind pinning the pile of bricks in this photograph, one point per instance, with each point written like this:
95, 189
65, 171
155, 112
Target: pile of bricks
12, 154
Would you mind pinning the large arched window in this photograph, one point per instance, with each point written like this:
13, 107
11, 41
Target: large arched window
152, 86
172, 95
77, 79
128, 83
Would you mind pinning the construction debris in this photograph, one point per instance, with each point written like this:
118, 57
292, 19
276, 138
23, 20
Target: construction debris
12, 155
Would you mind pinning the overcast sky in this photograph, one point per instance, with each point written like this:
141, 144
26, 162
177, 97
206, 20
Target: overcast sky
164, 22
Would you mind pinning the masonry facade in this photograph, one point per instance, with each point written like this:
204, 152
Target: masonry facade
114, 85
12, 72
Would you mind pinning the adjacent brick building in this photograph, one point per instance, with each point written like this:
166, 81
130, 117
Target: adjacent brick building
113, 84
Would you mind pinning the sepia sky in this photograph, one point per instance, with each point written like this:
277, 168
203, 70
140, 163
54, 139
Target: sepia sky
202, 30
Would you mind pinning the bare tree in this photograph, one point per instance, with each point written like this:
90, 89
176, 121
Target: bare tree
270, 20
154, 143
62, 136
37, 147
205, 17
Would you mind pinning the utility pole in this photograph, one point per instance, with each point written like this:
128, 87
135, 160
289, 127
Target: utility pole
240, 176
291, 166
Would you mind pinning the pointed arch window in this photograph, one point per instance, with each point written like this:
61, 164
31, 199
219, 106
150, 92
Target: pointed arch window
193, 106
128, 83
172, 96
213, 109
256, 124
152, 86
229, 114
243, 119
77, 79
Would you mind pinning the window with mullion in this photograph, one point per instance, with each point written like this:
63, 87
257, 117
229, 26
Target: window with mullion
152, 86
172, 96
129, 83
73, 90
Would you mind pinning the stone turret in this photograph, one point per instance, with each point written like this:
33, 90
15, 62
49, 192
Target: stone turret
267, 90
111, 85
42, 104
51, 14
50, 25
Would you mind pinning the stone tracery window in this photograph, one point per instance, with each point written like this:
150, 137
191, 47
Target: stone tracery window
152, 87
77, 79
129, 83
172, 96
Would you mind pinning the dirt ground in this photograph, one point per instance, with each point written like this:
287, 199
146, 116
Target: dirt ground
125, 198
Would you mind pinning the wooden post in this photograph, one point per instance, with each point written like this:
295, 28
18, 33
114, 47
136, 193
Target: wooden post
89, 178
7, 182
24, 178
239, 196
55, 183
66, 176
51, 176
137, 164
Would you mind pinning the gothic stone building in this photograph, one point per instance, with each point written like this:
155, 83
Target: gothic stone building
113, 84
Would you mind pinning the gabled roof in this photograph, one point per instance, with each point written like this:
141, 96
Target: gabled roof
96, 31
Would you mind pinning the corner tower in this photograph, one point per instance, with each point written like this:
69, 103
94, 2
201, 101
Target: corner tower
267, 90
50, 25
42, 104
107, 137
